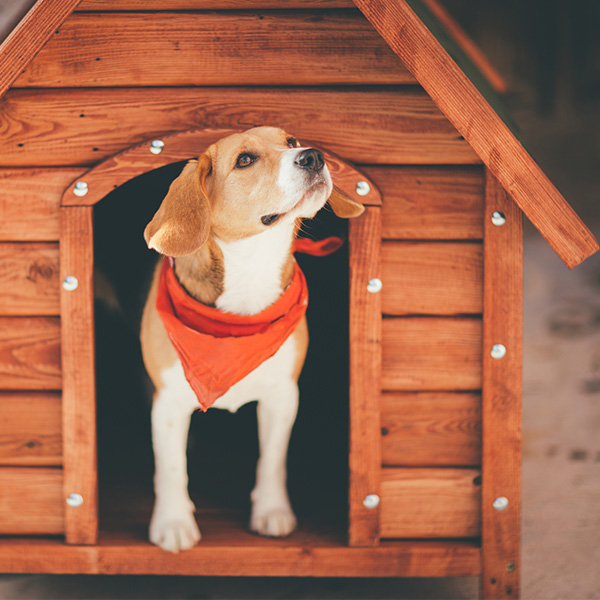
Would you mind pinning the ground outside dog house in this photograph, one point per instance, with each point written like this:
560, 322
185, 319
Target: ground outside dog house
101, 96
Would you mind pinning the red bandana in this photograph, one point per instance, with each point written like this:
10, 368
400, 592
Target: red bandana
217, 349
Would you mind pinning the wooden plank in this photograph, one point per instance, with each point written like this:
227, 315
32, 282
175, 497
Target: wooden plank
502, 324
435, 203
431, 354
430, 503
482, 127
30, 429
29, 279
431, 429
432, 278
187, 49
29, 202
144, 5
388, 126
79, 393
31, 501
104, 177
120, 555
30, 353
365, 377
28, 37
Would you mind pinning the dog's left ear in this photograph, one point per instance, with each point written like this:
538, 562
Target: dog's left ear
343, 205
182, 223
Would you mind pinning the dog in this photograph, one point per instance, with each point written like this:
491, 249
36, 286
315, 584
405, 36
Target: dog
229, 222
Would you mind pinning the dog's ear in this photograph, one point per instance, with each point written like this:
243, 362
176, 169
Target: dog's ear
182, 223
343, 205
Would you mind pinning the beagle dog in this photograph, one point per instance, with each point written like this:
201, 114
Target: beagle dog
228, 224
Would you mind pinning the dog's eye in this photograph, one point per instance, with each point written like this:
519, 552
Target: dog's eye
292, 142
245, 160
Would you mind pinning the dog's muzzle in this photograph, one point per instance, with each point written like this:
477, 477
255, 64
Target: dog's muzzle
310, 160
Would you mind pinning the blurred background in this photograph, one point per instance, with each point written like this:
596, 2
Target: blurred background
548, 52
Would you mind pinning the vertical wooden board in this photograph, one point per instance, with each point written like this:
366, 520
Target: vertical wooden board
29, 279
431, 354
429, 278
30, 429
431, 429
31, 501
501, 408
430, 503
30, 201
30, 353
365, 377
79, 401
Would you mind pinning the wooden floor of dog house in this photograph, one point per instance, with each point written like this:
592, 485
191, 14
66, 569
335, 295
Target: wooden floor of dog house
228, 549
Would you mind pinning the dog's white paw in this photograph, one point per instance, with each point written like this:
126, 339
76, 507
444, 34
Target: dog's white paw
275, 522
174, 533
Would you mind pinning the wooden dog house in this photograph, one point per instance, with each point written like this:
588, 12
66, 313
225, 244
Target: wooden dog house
98, 92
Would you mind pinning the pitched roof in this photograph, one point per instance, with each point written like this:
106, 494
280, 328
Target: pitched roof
445, 72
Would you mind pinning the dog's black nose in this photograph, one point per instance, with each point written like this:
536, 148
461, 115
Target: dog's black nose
311, 160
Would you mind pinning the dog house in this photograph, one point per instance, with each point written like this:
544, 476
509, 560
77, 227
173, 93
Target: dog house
98, 92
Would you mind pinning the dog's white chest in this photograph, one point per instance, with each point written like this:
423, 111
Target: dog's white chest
253, 268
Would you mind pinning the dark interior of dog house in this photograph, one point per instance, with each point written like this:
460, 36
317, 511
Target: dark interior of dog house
222, 447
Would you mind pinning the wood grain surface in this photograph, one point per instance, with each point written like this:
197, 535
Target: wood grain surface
29, 279
30, 433
430, 503
207, 49
83, 127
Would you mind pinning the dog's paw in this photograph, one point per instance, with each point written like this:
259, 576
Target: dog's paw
174, 534
276, 522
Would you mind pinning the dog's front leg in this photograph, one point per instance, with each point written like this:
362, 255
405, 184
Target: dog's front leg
272, 514
173, 525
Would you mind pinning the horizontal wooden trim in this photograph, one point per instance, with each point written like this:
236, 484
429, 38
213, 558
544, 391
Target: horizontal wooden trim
207, 49
432, 278
83, 127
29, 278
30, 353
431, 354
143, 5
431, 429
430, 503
29, 202
439, 203
121, 553
30, 429
31, 501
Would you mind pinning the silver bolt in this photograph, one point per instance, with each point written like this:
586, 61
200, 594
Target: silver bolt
498, 351
363, 188
371, 501
74, 500
80, 189
374, 286
70, 283
500, 503
498, 219
156, 147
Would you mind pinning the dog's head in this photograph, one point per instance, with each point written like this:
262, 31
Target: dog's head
241, 186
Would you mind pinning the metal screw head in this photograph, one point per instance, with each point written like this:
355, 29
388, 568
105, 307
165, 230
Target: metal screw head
500, 503
156, 147
374, 286
74, 500
498, 351
363, 188
371, 501
80, 189
498, 219
70, 283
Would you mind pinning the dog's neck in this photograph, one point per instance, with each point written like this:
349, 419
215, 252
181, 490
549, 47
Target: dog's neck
241, 276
